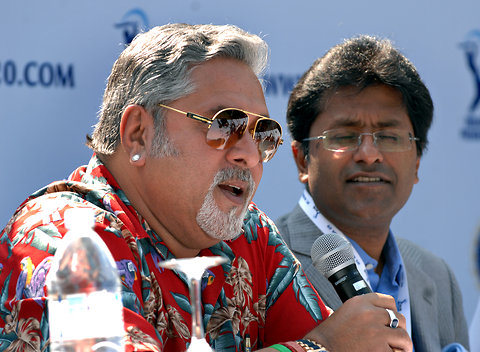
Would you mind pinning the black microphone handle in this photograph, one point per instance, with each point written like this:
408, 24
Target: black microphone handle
348, 282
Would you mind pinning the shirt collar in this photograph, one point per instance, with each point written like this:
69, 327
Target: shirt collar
393, 259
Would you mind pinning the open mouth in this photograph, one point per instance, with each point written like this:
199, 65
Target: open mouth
234, 190
237, 185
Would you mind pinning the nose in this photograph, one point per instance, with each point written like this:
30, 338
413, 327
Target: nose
367, 151
245, 152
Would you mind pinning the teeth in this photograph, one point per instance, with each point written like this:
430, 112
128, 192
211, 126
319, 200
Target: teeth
231, 188
367, 179
235, 189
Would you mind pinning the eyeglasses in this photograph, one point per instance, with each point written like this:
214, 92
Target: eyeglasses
347, 139
228, 125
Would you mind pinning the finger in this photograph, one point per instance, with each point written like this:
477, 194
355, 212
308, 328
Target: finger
384, 301
400, 341
388, 306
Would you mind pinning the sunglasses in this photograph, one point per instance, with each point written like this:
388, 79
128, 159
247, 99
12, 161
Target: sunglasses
229, 125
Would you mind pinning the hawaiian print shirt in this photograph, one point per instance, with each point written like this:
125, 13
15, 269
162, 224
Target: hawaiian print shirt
260, 293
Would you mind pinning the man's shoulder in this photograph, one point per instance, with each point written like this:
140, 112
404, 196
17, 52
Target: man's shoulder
44, 209
410, 248
415, 255
282, 221
293, 218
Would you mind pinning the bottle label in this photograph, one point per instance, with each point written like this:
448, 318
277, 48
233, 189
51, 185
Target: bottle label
80, 316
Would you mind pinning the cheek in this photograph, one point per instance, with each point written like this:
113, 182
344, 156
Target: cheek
257, 173
323, 174
407, 173
328, 164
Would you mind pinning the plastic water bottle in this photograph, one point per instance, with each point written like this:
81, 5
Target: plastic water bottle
84, 299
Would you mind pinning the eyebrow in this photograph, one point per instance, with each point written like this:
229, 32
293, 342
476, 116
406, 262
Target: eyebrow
350, 122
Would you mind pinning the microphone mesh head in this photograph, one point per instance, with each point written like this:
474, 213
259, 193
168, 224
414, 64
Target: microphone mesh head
330, 253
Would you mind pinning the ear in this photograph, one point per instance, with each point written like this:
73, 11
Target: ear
301, 161
417, 165
136, 133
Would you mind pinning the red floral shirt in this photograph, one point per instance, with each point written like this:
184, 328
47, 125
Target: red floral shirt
260, 293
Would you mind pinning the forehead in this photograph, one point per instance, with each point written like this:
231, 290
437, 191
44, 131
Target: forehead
375, 106
226, 83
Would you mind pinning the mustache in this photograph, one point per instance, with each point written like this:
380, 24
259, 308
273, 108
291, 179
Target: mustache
235, 173
376, 168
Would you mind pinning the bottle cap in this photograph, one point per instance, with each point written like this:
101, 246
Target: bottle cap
79, 217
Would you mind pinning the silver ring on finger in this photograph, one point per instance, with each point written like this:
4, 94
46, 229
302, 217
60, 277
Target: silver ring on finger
393, 318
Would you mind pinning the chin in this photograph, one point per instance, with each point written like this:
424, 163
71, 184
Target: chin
221, 225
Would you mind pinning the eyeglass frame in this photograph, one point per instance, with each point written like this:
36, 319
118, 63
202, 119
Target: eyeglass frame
322, 137
209, 121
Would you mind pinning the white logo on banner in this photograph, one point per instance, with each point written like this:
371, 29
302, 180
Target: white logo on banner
132, 23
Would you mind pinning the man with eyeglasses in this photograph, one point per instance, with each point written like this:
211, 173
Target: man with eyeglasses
359, 118
178, 154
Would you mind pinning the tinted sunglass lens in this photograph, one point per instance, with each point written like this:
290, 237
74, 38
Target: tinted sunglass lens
227, 128
267, 134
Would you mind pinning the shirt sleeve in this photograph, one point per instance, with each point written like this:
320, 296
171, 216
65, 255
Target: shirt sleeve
293, 307
27, 246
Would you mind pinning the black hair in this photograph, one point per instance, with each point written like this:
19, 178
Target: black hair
359, 62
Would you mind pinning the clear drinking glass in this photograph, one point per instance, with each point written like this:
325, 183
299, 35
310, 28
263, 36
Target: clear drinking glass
194, 268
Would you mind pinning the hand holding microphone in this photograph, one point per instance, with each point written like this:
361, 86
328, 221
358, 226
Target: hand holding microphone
332, 255
365, 322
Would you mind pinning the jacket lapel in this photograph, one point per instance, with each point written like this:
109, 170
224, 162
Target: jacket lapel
421, 289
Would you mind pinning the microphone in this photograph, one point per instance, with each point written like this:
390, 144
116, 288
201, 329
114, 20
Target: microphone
332, 255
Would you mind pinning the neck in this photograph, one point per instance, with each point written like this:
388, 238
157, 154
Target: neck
371, 238
371, 241
126, 175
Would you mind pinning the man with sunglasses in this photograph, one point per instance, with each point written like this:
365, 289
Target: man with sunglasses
178, 154
359, 118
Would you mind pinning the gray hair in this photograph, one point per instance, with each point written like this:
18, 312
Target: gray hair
155, 68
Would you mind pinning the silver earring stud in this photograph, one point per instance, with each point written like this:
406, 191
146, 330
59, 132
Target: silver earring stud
136, 157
